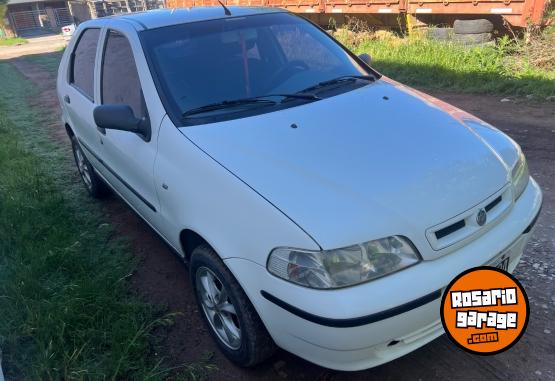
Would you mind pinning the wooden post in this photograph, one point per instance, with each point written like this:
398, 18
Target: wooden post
52, 18
38, 15
409, 23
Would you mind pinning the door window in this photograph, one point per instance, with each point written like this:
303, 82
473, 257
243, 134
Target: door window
120, 79
82, 68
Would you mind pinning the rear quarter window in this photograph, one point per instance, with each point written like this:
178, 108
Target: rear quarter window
82, 62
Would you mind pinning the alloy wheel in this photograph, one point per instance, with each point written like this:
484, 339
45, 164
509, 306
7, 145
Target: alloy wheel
83, 167
218, 307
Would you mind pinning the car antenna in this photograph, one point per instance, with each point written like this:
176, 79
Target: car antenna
226, 10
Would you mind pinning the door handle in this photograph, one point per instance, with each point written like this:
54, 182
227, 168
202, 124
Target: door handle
67, 99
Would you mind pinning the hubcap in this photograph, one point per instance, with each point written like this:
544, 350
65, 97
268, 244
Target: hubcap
218, 308
83, 167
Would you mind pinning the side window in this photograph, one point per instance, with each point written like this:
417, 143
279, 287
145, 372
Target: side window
82, 68
120, 79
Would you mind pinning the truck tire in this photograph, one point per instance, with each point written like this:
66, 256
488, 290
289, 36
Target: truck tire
440, 34
472, 26
472, 39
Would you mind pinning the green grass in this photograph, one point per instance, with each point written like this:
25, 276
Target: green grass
12, 41
48, 61
429, 64
66, 307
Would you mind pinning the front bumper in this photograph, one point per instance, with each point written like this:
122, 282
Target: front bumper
366, 325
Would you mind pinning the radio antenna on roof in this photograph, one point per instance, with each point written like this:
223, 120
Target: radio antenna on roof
227, 12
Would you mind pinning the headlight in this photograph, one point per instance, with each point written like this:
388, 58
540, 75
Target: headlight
343, 267
520, 175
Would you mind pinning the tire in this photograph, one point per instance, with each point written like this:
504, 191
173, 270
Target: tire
472, 39
472, 26
248, 342
93, 183
440, 34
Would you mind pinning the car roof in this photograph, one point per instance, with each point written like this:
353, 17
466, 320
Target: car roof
165, 17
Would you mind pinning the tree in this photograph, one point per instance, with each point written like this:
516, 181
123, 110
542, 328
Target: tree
3, 12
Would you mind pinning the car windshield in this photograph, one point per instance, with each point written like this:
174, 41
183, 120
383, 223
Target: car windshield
204, 69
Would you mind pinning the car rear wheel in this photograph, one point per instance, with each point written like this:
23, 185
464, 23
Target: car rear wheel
94, 184
233, 321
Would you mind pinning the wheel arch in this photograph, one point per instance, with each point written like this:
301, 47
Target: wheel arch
69, 130
189, 240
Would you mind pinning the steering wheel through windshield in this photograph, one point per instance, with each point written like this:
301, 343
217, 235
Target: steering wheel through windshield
288, 70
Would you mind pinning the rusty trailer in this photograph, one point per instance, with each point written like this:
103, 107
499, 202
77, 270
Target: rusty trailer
517, 13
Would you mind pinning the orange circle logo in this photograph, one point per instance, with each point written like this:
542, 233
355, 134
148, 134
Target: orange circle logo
485, 310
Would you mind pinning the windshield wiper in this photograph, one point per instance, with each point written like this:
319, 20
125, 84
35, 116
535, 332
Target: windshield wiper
335, 81
263, 99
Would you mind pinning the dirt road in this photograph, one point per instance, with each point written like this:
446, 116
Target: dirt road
34, 45
162, 278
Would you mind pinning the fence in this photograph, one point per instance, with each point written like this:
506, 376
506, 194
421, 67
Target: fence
63, 17
24, 20
46, 19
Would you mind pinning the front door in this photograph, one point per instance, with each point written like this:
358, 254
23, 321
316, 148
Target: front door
128, 157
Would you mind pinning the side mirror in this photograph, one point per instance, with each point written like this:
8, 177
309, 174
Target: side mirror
121, 117
366, 58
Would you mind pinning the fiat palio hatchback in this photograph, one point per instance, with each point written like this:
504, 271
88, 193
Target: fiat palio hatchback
321, 206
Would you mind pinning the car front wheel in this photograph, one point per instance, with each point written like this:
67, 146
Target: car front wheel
229, 314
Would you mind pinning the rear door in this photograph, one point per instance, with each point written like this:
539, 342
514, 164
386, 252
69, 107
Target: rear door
78, 92
128, 157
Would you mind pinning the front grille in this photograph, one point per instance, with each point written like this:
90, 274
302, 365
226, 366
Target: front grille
465, 225
450, 229
493, 204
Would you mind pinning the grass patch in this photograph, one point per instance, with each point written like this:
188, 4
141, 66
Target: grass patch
66, 308
511, 67
48, 61
12, 41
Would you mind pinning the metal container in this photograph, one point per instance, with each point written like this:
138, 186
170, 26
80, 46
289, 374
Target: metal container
515, 12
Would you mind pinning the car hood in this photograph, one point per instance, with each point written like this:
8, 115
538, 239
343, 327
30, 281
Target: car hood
373, 162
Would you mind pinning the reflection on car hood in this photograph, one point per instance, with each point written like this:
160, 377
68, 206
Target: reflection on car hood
372, 162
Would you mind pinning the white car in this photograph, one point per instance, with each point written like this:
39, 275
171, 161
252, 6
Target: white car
67, 31
321, 206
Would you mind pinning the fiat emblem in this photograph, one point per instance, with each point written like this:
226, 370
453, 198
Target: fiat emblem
481, 217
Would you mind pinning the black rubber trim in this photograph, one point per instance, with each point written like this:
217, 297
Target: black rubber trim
529, 228
150, 206
493, 204
353, 322
450, 229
